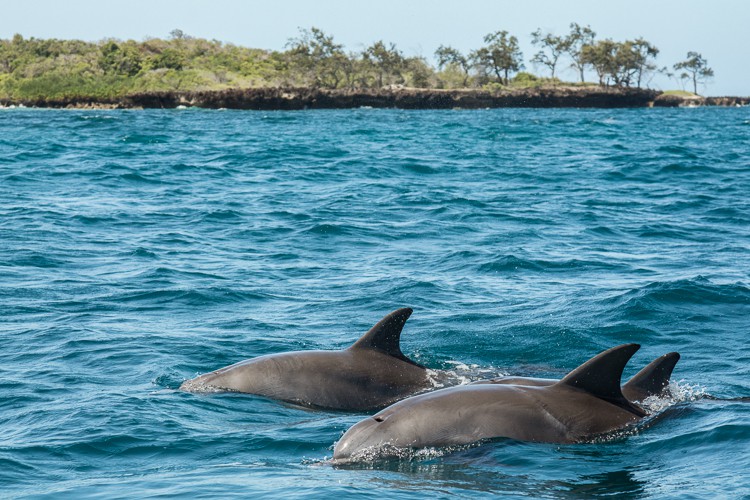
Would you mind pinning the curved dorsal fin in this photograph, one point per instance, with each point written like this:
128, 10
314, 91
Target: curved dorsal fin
653, 379
385, 336
600, 376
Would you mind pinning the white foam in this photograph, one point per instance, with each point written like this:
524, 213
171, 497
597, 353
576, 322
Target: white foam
374, 453
200, 387
678, 392
461, 374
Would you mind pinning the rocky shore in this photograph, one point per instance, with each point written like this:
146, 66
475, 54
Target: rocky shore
403, 98
689, 101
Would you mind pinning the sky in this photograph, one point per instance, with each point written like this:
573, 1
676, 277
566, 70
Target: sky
719, 29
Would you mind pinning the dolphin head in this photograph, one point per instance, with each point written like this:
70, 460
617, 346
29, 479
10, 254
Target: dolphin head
370, 434
393, 431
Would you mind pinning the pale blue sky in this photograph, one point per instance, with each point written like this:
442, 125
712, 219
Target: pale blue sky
719, 29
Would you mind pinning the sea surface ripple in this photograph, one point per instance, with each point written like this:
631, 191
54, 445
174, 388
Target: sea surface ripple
140, 248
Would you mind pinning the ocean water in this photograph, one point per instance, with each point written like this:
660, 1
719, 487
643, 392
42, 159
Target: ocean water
141, 248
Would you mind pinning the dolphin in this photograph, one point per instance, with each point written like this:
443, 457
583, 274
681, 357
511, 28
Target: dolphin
586, 403
369, 375
652, 380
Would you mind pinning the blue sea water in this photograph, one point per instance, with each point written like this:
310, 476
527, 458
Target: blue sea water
141, 248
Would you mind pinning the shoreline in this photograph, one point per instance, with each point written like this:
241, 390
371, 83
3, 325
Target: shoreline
268, 99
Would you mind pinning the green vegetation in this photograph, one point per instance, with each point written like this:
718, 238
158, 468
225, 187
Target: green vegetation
679, 93
499, 57
553, 47
695, 69
53, 69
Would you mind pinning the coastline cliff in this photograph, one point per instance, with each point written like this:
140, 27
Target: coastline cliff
268, 98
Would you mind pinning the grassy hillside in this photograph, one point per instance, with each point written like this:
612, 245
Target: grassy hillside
54, 69
33, 68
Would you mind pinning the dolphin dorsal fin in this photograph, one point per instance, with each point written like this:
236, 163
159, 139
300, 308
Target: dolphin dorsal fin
385, 336
600, 376
653, 379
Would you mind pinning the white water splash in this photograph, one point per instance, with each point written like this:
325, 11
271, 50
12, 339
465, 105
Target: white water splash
387, 451
201, 388
677, 392
461, 374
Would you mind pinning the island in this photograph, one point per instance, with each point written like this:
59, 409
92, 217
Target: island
314, 72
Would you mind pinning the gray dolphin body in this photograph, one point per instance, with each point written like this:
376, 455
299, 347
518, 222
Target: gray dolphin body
585, 403
371, 374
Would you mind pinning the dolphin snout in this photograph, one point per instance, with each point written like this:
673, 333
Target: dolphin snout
358, 438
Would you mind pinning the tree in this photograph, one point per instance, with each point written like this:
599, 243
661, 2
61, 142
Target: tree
120, 58
696, 69
13, 53
553, 47
178, 39
576, 42
178, 34
418, 72
601, 57
169, 58
627, 63
321, 61
448, 56
388, 62
643, 51
620, 63
501, 55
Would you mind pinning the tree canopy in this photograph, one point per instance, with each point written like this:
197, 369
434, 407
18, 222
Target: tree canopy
695, 69
500, 56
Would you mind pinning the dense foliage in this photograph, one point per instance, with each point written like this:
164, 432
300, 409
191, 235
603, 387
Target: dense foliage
58, 69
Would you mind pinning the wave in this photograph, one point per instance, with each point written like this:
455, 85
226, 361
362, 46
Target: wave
683, 151
145, 139
696, 301
329, 229
142, 252
418, 167
696, 291
223, 214
511, 263
681, 168
34, 259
